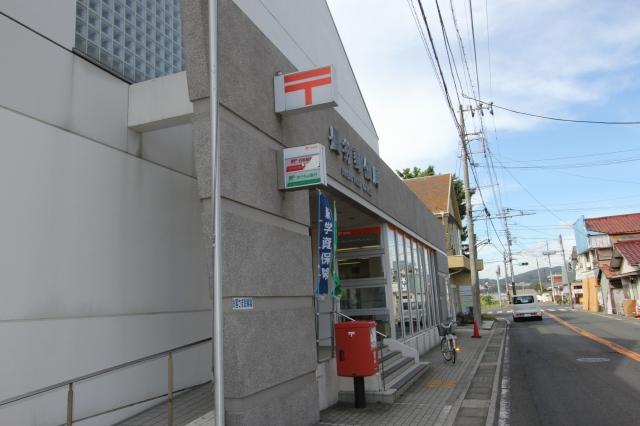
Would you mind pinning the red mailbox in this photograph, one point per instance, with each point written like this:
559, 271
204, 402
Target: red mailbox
356, 348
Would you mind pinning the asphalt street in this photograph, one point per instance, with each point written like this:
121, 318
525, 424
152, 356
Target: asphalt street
555, 376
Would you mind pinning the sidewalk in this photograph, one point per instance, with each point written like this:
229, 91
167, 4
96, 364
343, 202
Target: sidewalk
439, 397
618, 317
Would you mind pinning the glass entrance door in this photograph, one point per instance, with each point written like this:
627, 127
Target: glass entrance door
362, 274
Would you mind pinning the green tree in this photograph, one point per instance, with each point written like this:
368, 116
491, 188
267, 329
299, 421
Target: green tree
487, 300
408, 173
458, 187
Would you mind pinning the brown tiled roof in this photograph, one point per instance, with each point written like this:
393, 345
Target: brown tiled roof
630, 250
432, 191
615, 225
606, 269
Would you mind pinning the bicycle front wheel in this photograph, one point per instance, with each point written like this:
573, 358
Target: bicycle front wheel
444, 348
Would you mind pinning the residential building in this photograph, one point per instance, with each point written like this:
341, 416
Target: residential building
439, 195
105, 177
601, 245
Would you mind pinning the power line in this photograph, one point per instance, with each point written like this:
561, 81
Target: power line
599, 163
449, 56
596, 154
597, 178
475, 56
435, 54
441, 83
546, 117
463, 54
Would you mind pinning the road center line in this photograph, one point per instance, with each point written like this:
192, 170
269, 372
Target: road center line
611, 345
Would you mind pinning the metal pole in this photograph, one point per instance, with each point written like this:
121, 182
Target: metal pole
498, 285
565, 275
216, 242
170, 389
70, 404
477, 315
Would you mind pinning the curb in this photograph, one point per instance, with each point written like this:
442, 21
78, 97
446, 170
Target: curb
491, 415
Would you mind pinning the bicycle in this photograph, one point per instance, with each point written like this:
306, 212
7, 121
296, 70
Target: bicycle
449, 342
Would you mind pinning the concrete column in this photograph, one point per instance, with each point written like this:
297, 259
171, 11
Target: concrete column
269, 351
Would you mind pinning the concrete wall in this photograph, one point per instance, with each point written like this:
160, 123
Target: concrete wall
102, 257
270, 357
305, 33
55, 19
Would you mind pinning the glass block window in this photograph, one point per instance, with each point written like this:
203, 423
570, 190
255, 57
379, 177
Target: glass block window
137, 39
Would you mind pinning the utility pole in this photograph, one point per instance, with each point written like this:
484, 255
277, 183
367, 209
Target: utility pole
539, 279
553, 289
498, 285
565, 275
475, 288
510, 257
506, 275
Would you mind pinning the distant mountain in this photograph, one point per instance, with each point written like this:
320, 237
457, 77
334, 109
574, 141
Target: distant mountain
529, 277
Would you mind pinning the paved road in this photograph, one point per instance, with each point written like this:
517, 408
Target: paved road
544, 384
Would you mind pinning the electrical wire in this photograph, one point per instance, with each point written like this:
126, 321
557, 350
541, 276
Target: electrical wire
596, 154
449, 53
435, 55
475, 56
546, 117
599, 163
463, 55
435, 63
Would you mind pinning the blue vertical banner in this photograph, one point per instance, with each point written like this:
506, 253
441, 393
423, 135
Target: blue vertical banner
325, 244
337, 288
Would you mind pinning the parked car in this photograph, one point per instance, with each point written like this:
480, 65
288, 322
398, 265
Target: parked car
525, 306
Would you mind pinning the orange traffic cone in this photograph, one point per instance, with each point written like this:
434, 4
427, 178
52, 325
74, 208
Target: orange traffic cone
476, 332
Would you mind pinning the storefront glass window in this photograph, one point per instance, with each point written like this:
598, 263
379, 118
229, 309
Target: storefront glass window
359, 239
429, 286
364, 298
370, 267
404, 285
412, 300
419, 289
395, 288
434, 287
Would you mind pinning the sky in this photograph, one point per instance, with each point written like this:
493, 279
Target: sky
562, 58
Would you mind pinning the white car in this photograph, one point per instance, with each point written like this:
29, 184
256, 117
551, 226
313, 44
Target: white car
525, 306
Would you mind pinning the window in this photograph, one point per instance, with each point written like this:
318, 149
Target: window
137, 39
395, 287
363, 298
518, 300
360, 268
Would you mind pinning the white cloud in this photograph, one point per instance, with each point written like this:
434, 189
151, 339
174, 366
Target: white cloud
548, 56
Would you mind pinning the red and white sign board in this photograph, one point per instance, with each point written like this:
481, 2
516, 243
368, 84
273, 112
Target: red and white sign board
305, 90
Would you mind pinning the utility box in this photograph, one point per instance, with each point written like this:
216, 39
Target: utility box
356, 348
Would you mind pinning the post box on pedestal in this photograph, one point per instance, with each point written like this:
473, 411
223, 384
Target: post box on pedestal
356, 348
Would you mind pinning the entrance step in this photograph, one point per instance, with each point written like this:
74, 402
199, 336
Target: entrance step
399, 374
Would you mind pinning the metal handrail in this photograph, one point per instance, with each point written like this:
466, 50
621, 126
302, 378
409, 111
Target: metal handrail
100, 372
142, 401
351, 319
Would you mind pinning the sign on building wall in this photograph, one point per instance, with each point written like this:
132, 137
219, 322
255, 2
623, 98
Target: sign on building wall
303, 166
304, 90
355, 168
